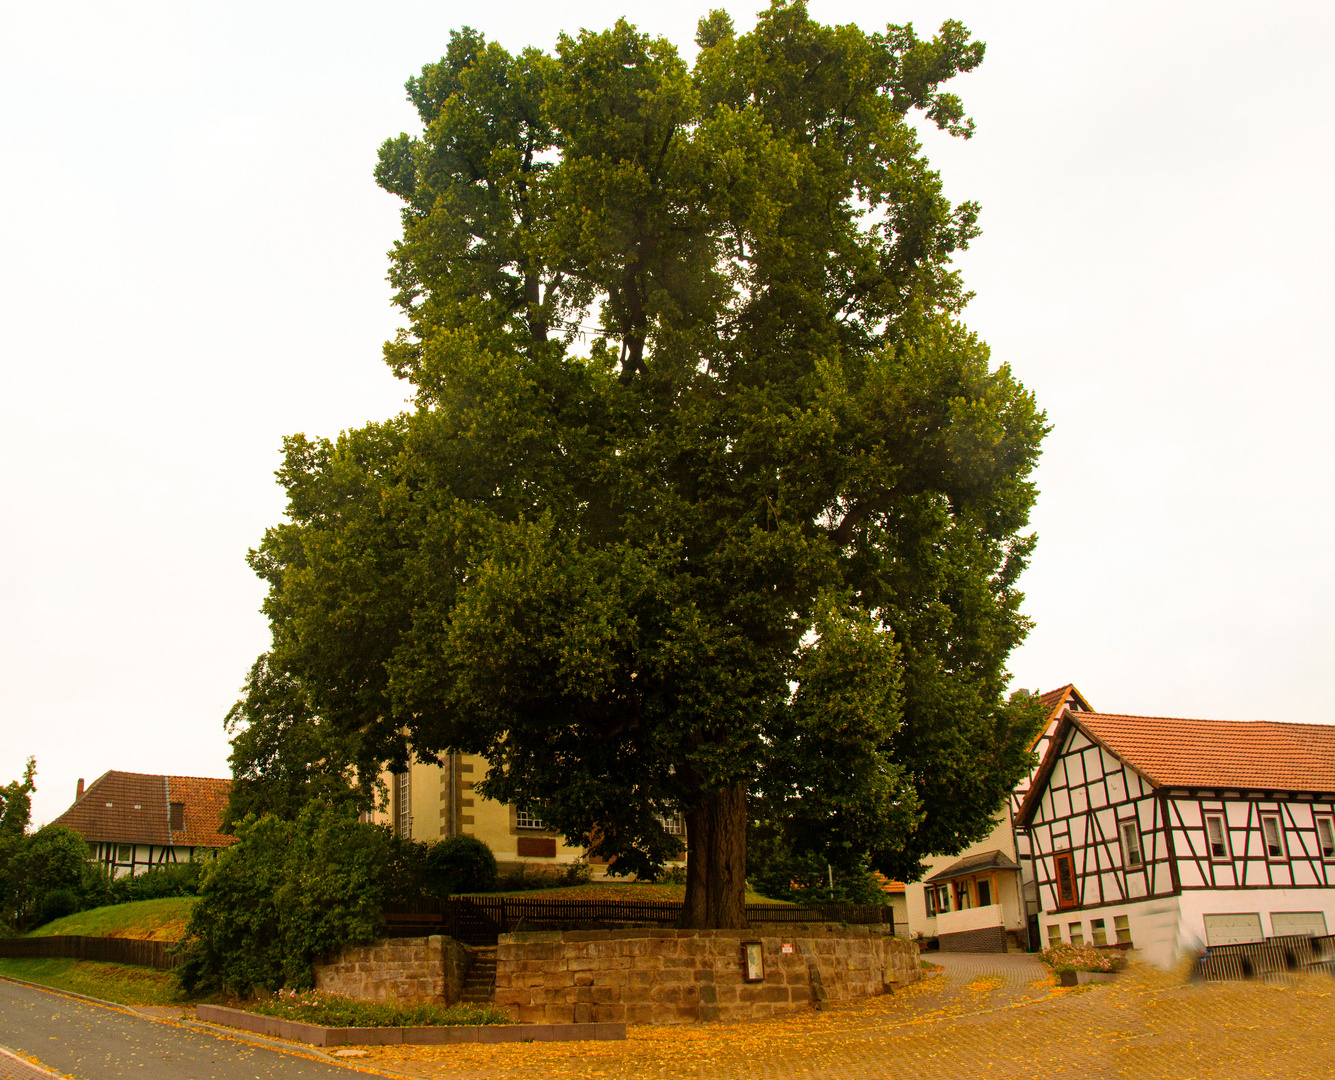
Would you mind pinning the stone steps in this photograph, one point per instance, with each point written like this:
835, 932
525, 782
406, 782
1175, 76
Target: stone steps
480, 983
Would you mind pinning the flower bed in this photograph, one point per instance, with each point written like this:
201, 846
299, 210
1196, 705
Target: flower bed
330, 1010
1062, 956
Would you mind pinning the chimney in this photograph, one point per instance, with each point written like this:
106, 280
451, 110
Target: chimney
78, 794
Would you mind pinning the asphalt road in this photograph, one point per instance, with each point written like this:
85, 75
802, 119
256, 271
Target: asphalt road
93, 1042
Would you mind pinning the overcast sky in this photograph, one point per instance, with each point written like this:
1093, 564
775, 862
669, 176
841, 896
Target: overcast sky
193, 266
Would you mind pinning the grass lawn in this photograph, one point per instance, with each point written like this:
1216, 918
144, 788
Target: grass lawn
619, 890
112, 982
151, 920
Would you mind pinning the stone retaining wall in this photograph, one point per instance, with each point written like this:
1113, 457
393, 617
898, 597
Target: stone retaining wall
410, 970
683, 976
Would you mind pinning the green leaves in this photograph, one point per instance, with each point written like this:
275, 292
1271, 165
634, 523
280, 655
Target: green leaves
282, 895
761, 533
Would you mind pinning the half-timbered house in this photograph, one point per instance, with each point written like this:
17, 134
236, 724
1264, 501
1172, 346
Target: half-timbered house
983, 899
134, 821
1169, 835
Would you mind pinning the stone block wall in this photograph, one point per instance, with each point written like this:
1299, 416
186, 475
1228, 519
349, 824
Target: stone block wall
410, 970
683, 976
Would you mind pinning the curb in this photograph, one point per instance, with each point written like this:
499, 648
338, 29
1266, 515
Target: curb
28, 1068
318, 1035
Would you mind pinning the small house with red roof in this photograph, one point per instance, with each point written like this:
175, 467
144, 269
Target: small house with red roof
1170, 835
984, 899
133, 821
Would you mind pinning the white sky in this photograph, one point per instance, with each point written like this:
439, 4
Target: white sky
192, 265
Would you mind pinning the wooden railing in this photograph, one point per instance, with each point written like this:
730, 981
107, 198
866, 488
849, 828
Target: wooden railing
479, 920
107, 950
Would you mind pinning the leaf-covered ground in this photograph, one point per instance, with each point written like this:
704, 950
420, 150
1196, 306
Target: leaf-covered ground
150, 920
970, 1022
120, 983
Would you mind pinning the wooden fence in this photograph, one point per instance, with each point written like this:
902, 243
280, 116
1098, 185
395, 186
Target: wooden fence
107, 950
479, 920
1274, 956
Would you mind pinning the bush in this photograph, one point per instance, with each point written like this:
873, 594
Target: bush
170, 879
283, 894
330, 1010
51, 860
1063, 956
578, 872
672, 875
460, 864
56, 904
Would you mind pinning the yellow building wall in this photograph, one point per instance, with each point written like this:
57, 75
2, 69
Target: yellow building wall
492, 822
1001, 838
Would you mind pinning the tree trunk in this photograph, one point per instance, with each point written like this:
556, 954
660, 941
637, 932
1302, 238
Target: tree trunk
716, 862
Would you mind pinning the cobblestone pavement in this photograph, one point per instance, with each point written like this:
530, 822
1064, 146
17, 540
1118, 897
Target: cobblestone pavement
997, 1015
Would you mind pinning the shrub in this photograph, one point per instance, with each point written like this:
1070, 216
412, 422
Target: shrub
673, 875
578, 872
170, 879
56, 904
330, 1010
51, 860
460, 864
284, 894
1063, 956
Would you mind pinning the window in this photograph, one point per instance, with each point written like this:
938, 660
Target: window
1066, 880
1215, 836
1122, 924
938, 899
403, 804
1098, 932
1325, 836
1131, 853
1077, 933
526, 819
673, 824
178, 816
1274, 842
123, 853
984, 893
1054, 934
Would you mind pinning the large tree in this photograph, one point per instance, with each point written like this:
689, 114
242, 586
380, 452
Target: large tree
707, 494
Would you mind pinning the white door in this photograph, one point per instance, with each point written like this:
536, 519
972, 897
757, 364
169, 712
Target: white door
1232, 929
1309, 923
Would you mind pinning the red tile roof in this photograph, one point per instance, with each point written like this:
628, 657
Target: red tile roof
1257, 755
205, 800
135, 808
1054, 702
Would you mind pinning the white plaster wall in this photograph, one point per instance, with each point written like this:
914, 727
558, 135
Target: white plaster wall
1196, 905
1153, 925
955, 922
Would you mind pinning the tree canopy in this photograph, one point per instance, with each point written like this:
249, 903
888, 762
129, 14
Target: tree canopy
708, 498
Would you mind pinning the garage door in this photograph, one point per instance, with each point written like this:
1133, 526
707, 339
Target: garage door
1232, 929
1311, 923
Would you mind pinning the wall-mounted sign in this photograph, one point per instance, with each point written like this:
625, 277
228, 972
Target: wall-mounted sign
787, 946
753, 961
